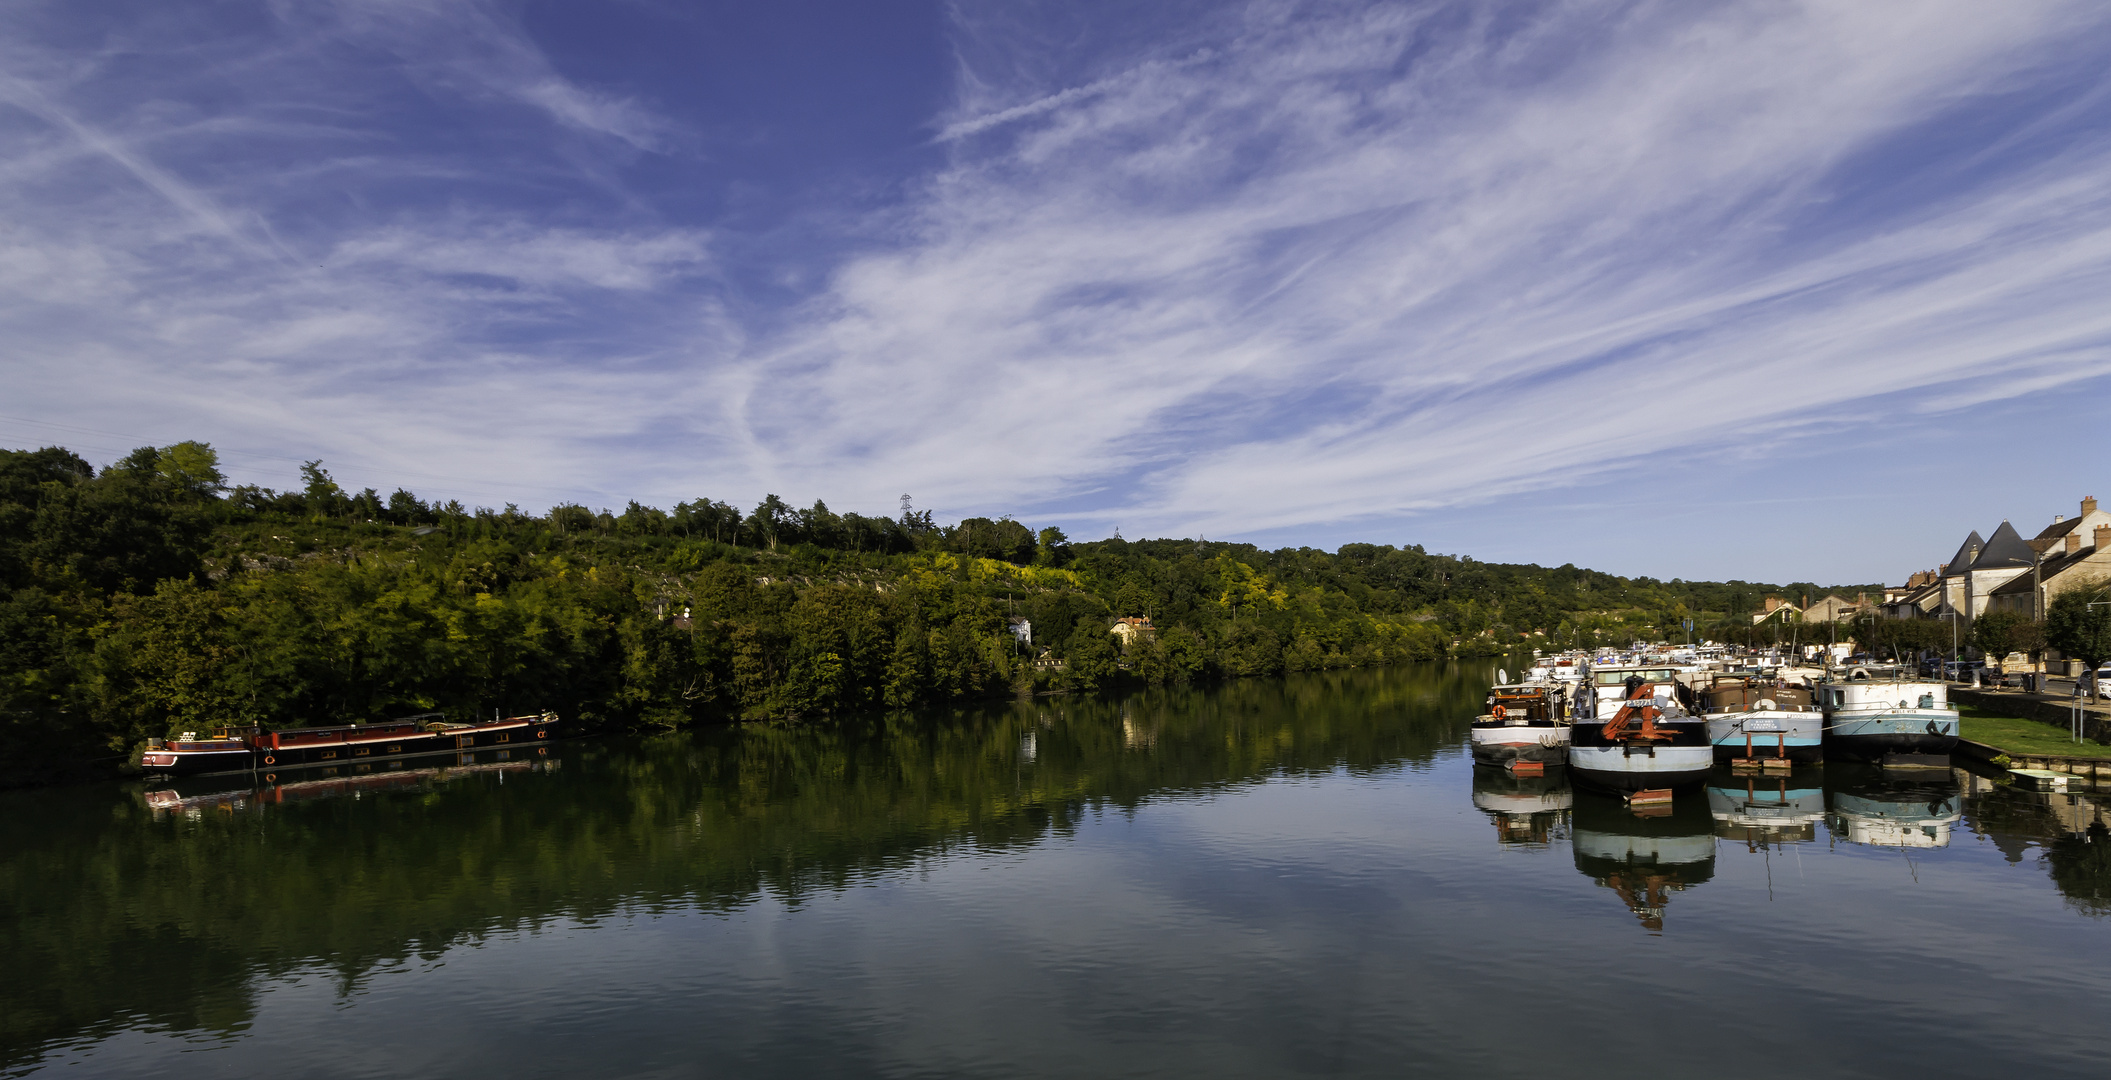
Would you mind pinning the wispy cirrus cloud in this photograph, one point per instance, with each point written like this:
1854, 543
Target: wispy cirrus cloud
476, 47
1229, 269
1368, 259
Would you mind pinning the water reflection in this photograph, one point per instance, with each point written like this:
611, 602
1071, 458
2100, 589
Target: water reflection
1894, 808
1762, 810
1644, 855
1528, 811
192, 796
2069, 832
1202, 870
167, 906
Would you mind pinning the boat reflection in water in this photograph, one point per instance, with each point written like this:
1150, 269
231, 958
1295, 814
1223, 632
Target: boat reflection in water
1899, 808
1643, 855
1762, 810
195, 797
1529, 811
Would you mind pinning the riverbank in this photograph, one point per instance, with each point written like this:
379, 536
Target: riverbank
2046, 710
2019, 735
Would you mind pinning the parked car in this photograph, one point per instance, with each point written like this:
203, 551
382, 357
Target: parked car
1991, 677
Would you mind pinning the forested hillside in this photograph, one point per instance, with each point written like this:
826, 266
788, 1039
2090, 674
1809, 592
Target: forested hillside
148, 597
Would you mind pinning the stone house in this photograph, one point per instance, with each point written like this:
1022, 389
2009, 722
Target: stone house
1834, 609
2005, 556
1776, 608
1131, 630
2071, 565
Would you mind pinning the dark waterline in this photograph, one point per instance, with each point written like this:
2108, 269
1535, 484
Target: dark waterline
1271, 877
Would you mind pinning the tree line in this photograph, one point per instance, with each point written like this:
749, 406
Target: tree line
149, 597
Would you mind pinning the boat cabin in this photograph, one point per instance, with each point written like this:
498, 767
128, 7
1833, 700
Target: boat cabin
1524, 701
1747, 693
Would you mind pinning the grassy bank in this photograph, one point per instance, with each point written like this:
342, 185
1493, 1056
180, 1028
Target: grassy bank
2019, 736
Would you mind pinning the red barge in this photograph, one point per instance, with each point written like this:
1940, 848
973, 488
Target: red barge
261, 751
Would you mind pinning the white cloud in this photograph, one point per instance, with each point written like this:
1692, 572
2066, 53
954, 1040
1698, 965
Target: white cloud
1310, 279
470, 44
1300, 265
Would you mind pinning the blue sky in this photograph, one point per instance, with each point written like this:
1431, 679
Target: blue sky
1769, 290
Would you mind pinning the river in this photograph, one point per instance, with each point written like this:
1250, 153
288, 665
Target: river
1265, 878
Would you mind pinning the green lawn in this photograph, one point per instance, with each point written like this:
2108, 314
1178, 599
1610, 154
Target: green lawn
2024, 736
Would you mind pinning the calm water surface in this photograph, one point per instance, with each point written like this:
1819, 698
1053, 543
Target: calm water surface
1269, 878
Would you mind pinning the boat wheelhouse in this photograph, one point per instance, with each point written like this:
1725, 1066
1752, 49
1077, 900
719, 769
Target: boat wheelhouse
1525, 723
1886, 717
271, 752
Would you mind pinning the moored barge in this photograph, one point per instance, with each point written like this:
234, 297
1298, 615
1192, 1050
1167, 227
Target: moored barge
1525, 723
1894, 720
1636, 737
271, 752
1751, 719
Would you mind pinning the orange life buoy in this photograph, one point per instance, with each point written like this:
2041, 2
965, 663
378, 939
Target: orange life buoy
1500, 712
542, 734
269, 760
271, 778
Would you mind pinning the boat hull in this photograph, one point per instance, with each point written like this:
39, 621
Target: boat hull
1872, 738
1503, 745
1798, 736
1684, 759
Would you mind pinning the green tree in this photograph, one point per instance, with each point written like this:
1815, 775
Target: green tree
2079, 631
1089, 656
1999, 633
324, 497
193, 468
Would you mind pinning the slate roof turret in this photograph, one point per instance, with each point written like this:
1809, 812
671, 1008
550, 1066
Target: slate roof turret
2005, 550
1966, 552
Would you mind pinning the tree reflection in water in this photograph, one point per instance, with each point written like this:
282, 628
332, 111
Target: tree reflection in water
122, 915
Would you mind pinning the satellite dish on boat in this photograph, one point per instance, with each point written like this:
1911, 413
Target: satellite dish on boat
1502, 675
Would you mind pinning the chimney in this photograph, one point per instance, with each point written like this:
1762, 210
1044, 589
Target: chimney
1773, 603
2089, 506
2074, 540
2103, 539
